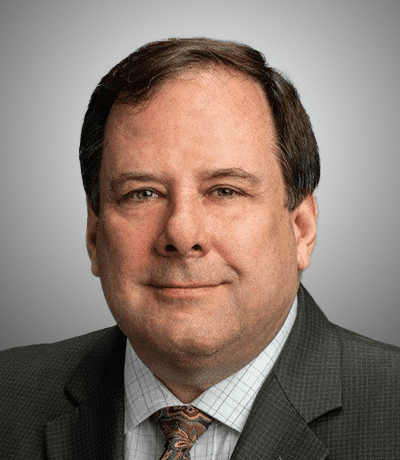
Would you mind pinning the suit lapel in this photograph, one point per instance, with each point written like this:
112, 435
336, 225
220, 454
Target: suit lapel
93, 429
304, 385
276, 431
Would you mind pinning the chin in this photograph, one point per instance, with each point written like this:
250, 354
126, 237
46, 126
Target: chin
197, 346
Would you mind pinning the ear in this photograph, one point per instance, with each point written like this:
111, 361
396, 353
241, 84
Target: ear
91, 238
305, 230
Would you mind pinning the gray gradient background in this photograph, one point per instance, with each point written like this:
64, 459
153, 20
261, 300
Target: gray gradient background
343, 56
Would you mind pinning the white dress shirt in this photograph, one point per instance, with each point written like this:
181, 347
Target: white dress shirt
229, 402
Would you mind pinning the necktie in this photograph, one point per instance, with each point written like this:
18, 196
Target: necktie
181, 426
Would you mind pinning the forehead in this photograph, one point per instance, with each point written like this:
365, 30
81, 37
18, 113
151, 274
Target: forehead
215, 116
218, 90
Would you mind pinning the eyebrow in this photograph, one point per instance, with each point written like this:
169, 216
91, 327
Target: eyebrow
239, 173
232, 172
120, 179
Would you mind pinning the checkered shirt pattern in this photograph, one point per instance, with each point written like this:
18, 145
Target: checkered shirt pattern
228, 402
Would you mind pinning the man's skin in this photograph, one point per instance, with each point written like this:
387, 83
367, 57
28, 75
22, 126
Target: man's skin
198, 255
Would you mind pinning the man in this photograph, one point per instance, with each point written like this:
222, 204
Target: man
199, 164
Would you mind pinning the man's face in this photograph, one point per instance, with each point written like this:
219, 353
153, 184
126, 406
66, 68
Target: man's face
196, 251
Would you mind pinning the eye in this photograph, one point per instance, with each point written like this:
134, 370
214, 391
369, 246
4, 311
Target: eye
225, 192
142, 194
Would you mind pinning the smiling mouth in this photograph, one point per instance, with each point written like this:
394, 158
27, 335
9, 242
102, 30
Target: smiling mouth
183, 286
183, 290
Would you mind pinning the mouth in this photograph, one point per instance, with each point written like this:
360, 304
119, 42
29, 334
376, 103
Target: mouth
183, 286
184, 291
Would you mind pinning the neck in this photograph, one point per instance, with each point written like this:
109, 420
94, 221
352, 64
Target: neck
187, 376
188, 373
184, 393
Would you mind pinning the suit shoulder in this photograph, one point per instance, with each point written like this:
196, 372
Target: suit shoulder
33, 378
360, 345
51, 360
354, 346
34, 385
370, 368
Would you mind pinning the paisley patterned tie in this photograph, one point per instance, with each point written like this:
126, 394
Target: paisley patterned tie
181, 425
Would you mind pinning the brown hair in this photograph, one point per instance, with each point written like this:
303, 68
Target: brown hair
138, 77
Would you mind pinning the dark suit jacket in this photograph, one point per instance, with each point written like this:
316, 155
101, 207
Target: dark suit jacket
332, 395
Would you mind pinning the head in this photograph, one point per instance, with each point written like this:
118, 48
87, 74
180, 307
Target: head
139, 77
199, 164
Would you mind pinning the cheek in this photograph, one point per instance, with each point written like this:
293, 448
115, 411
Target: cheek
123, 245
263, 252
253, 239
279, 248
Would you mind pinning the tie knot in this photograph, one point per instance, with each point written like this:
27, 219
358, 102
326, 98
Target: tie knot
181, 426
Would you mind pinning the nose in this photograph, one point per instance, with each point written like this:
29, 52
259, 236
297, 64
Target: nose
185, 232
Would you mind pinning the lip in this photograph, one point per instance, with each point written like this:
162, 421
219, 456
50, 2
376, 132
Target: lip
183, 286
184, 291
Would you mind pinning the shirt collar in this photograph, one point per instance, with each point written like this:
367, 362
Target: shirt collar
228, 401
